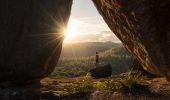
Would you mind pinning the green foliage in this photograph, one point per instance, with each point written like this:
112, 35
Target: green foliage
128, 81
99, 85
78, 88
82, 85
131, 80
80, 66
77, 59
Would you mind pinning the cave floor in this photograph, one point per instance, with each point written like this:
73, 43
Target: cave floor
54, 88
86, 88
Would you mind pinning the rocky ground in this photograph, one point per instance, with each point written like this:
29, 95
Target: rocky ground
152, 89
63, 89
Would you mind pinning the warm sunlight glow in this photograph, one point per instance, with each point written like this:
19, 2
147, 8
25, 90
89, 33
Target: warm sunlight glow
70, 32
86, 25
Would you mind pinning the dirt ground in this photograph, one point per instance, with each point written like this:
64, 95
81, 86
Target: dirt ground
152, 89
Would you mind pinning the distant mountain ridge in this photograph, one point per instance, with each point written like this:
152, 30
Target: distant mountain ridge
86, 49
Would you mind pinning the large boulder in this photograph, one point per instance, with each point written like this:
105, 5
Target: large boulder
137, 68
31, 35
101, 71
144, 28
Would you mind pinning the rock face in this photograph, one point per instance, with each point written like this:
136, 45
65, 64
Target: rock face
144, 28
101, 71
31, 35
137, 68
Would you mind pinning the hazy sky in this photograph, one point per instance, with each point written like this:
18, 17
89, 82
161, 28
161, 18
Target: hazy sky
86, 24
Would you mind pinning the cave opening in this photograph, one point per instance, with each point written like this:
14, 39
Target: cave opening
32, 36
86, 34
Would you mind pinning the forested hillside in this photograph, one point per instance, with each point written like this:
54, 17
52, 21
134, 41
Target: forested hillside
80, 64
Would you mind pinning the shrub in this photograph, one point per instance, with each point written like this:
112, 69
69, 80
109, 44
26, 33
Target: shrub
99, 85
129, 81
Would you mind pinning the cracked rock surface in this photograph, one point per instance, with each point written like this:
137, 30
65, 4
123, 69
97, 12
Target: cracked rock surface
143, 26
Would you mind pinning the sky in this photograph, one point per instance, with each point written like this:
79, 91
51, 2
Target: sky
86, 24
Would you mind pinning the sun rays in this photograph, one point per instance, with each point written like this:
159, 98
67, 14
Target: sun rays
70, 32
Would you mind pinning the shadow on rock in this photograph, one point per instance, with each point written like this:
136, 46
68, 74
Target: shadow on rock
101, 71
28, 92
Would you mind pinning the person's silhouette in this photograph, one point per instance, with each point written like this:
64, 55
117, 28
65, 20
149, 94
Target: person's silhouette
97, 59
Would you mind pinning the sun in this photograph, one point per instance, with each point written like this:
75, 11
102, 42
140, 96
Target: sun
70, 31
